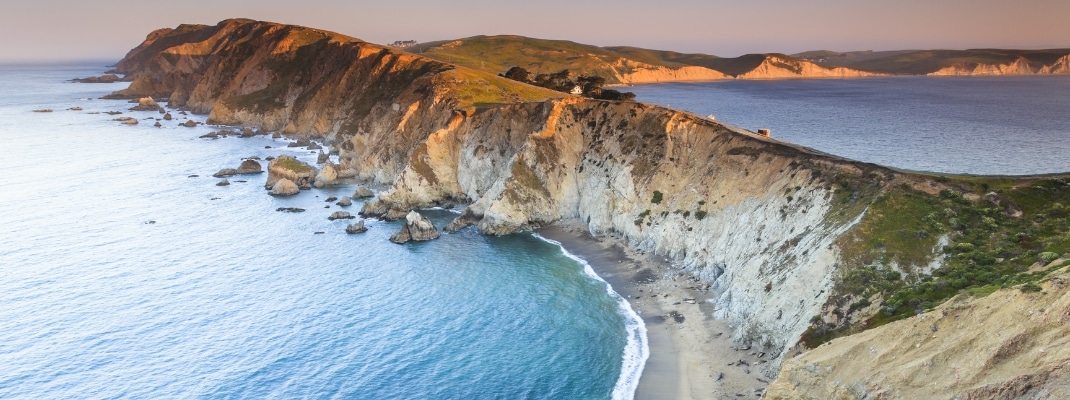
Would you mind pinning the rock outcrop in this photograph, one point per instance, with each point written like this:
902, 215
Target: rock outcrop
363, 192
327, 176
340, 215
296, 171
284, 187
106, 78
357, 227
416, 228
249, 166
146, 104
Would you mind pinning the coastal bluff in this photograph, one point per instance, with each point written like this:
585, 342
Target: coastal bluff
779, 232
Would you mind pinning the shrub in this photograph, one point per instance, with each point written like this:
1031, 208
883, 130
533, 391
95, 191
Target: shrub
700, 214
1047, 257
657, 197
1030, 288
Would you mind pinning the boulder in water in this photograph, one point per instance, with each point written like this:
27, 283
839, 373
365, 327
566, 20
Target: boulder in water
189, 123
250, 166
146, 104
290, 168
417, 228
225, 172
167, 116
357, 227
340, 215
284, 187
223, 182
345, 202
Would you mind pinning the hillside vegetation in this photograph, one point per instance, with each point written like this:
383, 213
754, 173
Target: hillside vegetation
498, 54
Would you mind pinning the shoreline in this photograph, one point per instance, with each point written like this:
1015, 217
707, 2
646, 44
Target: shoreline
690, 354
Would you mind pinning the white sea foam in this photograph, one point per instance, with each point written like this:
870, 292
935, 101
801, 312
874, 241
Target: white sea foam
637, 348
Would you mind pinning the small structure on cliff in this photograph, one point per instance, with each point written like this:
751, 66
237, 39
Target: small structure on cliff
763, 132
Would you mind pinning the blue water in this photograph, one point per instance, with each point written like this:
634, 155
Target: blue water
123, 277
977, 125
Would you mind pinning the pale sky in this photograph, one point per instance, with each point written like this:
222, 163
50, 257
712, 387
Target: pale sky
53, 30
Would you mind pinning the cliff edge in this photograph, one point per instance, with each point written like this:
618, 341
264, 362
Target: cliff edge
795, 244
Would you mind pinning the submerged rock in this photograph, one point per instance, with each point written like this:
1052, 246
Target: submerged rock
417, 228
357, 227
225, 172
290, 209
106, 78
284, 187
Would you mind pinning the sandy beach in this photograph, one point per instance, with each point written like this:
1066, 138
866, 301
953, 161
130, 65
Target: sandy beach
692, 355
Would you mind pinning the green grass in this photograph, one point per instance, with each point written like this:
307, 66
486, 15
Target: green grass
991, 246
292, 165
482, 90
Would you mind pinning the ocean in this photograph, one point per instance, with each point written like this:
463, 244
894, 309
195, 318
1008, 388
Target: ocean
959, 125
125, 272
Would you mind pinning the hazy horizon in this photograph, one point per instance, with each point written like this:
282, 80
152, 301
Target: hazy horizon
50, 31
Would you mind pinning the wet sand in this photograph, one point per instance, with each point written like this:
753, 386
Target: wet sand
692, 355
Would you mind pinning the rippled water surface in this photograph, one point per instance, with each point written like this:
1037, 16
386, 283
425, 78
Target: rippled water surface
122, 276
977, 125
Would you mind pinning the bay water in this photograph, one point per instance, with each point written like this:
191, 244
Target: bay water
961, 125
125, 272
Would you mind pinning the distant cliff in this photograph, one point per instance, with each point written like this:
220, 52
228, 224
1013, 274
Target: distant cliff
620, 64
795, 244
973, 62
1020, 66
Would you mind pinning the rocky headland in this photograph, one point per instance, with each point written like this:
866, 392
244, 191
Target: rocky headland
793, 248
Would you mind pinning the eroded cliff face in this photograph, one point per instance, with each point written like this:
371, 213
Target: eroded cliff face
1010, 344
761, 221
1021, 66
745, 213
628, 71
774, 67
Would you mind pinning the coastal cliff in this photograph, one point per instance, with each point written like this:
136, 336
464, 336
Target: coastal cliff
781, 234
1020, 66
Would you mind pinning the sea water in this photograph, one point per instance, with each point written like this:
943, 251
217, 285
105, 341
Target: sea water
974, 125
125, 272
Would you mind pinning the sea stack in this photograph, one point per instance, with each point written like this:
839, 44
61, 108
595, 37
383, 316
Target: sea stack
416, 228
